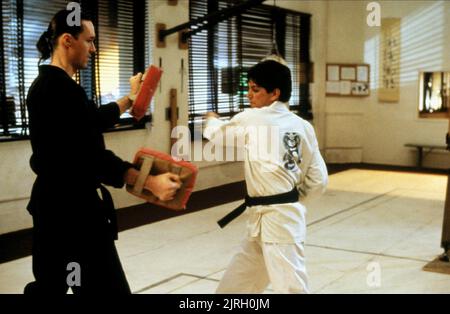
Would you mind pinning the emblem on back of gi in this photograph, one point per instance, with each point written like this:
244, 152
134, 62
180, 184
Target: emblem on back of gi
292, 157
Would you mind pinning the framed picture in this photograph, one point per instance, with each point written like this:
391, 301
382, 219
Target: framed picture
333, 88
348, 73
349, 80
360, 88
362, 73
333, 73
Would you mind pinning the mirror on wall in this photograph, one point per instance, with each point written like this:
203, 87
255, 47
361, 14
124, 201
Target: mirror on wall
434, 94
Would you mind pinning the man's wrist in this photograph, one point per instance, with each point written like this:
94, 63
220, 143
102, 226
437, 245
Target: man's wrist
132, 98
131, 175
128, 103
149, 183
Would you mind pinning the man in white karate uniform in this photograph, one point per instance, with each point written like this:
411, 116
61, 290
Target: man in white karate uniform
273, 251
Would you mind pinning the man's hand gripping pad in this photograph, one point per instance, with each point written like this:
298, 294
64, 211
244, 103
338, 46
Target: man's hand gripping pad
150, 162
146, 92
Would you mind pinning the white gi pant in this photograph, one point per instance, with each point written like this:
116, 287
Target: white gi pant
259, 263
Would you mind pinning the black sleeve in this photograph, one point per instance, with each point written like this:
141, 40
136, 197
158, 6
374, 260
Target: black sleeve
108, 115
112, 170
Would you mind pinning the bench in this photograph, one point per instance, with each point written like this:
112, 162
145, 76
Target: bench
420, 149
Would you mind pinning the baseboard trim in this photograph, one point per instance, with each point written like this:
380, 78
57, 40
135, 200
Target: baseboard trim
337, 167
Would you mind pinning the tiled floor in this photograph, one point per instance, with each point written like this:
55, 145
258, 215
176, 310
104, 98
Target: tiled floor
372, 232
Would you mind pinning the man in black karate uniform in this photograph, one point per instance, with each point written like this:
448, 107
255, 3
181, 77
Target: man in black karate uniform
72, 225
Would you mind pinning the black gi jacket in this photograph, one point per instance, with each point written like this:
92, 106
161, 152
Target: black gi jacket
69, 154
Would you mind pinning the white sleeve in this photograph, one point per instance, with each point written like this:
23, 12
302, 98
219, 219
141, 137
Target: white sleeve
212, 126
225, 133
315, 179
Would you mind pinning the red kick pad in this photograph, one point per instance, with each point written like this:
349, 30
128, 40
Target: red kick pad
151, 162
146, 91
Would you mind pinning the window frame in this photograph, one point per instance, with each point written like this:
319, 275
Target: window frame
444, 111
279, 21
13, 128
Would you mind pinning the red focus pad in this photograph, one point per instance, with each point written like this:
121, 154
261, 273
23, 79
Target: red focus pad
151, 162
146, 91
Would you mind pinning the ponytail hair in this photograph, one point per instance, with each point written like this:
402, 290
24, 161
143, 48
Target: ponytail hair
57, 26
44, 47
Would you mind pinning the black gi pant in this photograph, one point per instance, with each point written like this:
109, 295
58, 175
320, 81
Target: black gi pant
82, 236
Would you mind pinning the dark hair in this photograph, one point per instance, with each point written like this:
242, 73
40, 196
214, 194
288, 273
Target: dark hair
57, 26
271, 75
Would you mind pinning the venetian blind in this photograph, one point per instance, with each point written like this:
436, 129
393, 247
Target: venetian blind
221, 55
122, 49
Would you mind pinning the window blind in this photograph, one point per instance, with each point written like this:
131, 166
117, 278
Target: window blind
122, 49
221, 55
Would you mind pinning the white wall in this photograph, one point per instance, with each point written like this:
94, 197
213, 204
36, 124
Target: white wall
363, 129
343, 143
425, 44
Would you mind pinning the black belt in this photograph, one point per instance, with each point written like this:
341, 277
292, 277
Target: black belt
289, 197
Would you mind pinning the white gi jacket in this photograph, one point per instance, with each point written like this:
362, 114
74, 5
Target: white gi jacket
294, 162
